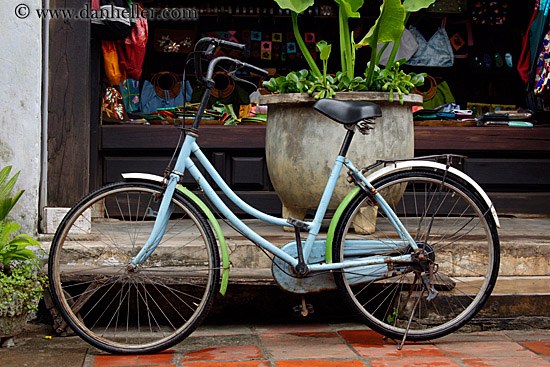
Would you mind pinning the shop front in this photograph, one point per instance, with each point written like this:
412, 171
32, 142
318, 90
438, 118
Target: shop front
476, 70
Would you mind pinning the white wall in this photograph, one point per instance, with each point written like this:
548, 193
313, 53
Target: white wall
20, 104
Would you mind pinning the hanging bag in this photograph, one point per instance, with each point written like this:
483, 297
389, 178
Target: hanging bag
437, 52
407, 48
113, 22
154, 97
132, 50
111, 62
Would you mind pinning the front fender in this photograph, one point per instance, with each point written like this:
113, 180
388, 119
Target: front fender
204, 208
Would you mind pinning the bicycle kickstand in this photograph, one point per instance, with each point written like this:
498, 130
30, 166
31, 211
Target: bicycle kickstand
400, 345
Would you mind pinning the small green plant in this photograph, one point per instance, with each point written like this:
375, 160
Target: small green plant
20, 291
387, 80
20, 284
396, 80
391, 318
324, 84
388, 28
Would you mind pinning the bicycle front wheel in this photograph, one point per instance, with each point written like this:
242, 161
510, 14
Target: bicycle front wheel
455, 231
118, 309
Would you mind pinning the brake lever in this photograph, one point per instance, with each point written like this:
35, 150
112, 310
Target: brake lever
210, 50
237, 79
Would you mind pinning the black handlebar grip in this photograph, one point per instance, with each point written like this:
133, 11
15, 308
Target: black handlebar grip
255, 70
231, 45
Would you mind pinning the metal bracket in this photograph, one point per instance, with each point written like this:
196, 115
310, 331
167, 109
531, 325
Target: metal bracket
450, 160
192, 132
298, 223
354, 179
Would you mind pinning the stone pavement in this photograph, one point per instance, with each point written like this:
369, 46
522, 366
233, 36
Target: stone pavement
292, 345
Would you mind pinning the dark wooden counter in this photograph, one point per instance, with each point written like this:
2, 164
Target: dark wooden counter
482, 138
512, 164
427, 138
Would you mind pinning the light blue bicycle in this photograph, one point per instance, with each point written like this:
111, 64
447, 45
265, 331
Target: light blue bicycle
413, 248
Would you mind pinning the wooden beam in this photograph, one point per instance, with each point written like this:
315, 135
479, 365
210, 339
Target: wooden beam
68, 107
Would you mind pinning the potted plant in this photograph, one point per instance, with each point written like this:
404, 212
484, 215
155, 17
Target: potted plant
21, 284
301, 143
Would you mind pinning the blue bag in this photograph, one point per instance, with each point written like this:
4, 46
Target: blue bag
154, 97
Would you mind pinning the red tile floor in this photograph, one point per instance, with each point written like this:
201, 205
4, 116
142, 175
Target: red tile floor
340, 345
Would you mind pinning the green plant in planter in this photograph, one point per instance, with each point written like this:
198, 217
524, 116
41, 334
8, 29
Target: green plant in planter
21, 285
388, 28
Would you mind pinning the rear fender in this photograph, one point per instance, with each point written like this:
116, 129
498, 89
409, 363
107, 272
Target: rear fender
396, 167
400, 166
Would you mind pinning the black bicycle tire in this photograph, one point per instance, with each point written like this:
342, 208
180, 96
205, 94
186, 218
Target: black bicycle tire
340, 232
176, 338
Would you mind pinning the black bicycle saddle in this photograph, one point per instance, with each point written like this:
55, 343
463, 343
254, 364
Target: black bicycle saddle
347, 112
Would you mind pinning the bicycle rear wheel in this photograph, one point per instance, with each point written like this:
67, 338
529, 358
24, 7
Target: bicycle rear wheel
152, 307
455, 230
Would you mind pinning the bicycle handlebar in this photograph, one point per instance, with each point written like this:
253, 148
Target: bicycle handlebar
254, 69
215, 42
231, 45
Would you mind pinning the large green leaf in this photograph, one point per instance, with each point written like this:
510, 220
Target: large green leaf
389, 25
7, 204
324, 50
415, 5
6, 189
4, 174
350, 7
297, 6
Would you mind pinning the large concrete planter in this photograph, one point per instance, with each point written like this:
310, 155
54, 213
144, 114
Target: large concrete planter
301, 145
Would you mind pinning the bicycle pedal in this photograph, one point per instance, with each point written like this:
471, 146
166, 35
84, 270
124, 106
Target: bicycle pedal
303, 308
297, 310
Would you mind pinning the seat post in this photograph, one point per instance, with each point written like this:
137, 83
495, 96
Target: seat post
347, 141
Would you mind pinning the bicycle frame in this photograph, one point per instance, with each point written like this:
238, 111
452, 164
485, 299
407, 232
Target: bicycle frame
184, 162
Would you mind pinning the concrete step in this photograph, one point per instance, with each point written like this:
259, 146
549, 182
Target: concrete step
521, 297
524, 242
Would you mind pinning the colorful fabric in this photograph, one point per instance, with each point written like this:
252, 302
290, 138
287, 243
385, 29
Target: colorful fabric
542, 78
130, 94
490, 12
531, 41
112, 107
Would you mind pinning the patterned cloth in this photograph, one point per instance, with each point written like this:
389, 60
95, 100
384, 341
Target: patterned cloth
542, 79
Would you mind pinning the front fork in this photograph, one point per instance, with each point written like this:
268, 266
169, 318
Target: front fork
166, 209
161, 222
